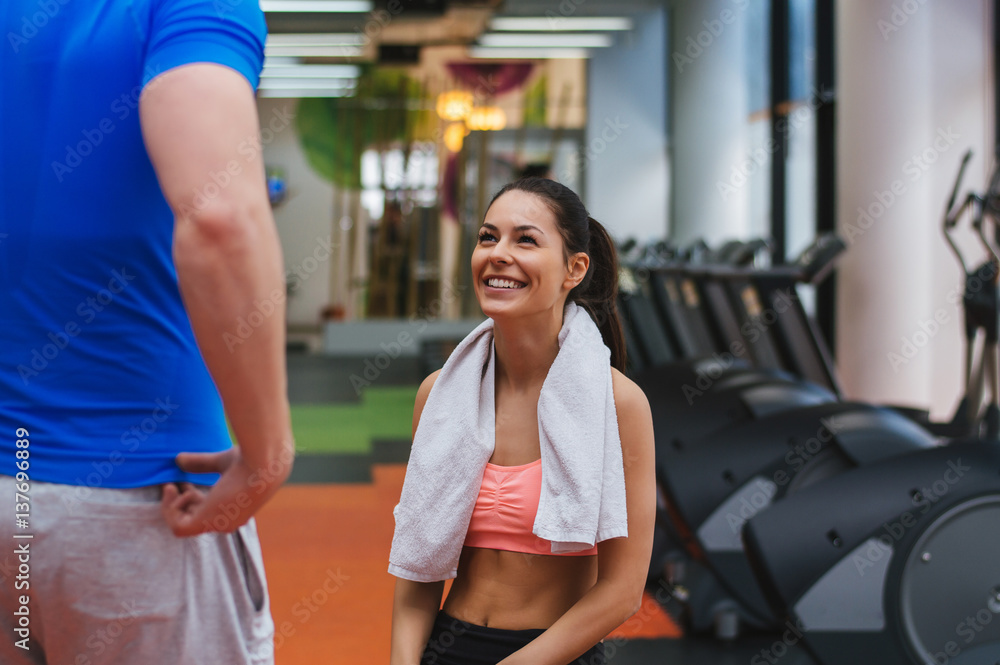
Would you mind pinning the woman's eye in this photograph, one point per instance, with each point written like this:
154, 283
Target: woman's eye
527, 238
486, 237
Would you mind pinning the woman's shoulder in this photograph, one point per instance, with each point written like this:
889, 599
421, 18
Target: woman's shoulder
421, 399
630, 400
427, 384
635, 421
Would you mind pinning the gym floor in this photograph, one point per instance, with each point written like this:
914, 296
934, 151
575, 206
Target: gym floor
326, 535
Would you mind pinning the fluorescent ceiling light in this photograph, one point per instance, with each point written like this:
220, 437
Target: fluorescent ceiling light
535, 40
528, 53
311, 71
560, 23
320, 45
319, 6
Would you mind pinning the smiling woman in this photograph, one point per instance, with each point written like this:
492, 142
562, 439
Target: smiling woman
531, 476
537, 226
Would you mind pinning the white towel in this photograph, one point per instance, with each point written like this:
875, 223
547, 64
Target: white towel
583, 478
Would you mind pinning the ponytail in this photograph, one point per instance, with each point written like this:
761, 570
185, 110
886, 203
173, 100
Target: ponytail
598, 292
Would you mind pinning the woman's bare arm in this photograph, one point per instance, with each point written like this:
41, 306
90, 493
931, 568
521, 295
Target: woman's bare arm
622, 562
414, 604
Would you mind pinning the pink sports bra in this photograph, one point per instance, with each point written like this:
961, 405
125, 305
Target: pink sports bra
505, 511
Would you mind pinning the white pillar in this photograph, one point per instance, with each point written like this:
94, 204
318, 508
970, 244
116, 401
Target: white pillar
709, 124
626, 139
911, 97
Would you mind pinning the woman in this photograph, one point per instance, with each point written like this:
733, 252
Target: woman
513, 600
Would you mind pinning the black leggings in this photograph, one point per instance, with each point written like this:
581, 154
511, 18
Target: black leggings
455, 642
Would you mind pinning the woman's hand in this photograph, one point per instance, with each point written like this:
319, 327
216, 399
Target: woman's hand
622, 563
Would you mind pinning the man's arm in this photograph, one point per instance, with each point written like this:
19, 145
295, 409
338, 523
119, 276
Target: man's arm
199, 120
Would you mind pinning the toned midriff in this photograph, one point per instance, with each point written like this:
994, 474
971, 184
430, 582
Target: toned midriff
516, 591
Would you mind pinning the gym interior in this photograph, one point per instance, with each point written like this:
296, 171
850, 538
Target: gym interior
806, 203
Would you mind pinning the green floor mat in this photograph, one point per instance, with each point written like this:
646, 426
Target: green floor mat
383, 413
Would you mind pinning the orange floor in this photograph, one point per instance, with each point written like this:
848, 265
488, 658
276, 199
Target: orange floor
326, 549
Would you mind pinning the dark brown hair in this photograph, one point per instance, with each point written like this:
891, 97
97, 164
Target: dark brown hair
598, 291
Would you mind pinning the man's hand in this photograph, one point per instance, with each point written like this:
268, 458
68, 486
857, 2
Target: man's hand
231, 502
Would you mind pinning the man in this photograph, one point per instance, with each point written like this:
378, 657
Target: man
136, 243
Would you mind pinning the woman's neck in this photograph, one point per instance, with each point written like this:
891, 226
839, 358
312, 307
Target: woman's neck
525, 349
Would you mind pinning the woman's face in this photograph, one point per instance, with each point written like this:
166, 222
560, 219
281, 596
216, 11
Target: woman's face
519, 266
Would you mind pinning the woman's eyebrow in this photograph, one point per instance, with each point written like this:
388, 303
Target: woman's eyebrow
522, 227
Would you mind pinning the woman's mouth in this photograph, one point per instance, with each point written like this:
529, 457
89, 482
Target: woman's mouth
498, 283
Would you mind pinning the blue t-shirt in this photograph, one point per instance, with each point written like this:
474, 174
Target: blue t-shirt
98, 361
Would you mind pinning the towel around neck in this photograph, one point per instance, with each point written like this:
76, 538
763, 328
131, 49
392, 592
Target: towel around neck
583, 480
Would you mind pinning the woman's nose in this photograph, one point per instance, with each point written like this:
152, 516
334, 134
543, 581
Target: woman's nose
500, 254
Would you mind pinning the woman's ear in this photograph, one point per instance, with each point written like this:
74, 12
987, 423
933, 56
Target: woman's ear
576, 270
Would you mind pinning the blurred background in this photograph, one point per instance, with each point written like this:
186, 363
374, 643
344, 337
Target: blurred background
387, 126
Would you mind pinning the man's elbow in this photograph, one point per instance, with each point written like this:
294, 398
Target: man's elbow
219, 225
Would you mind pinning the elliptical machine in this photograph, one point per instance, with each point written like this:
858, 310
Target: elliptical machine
898, 562
981, 313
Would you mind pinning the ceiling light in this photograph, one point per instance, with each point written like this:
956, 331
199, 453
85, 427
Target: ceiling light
454, 136
320, 45
487, 118
528, 53
454, 105
318, 6
560, 23
534, 40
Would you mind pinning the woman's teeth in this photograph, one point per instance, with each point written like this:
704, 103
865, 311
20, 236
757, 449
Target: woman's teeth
504, 284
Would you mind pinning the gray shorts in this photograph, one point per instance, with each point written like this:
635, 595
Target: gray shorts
106, 582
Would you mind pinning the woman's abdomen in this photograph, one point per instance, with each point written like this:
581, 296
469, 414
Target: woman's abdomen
517, 591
